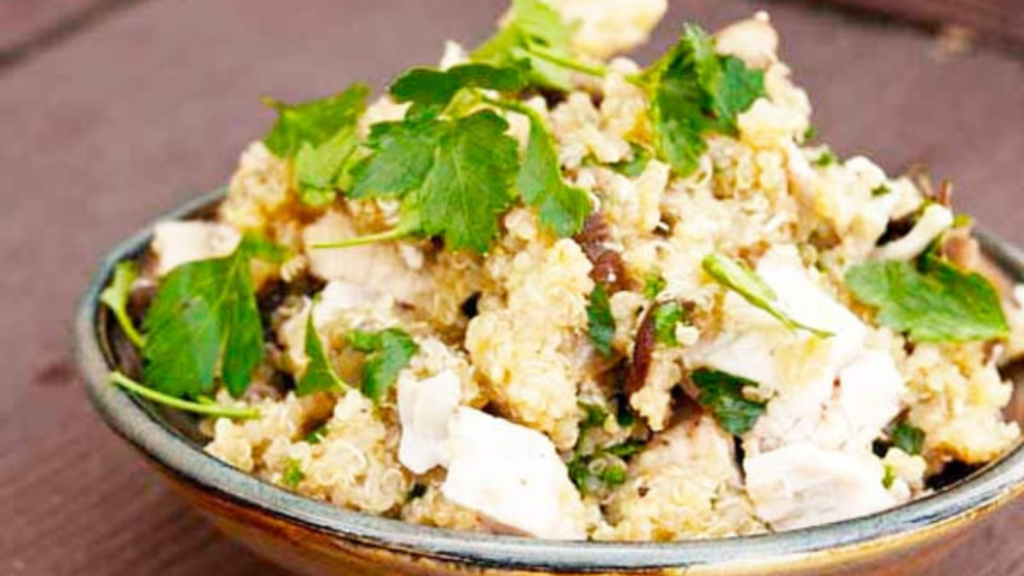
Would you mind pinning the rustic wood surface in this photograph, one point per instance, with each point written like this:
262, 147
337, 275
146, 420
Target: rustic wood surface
151, 104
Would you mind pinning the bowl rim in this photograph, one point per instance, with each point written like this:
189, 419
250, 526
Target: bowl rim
983, 492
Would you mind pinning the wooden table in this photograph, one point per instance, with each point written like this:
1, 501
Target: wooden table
129, 110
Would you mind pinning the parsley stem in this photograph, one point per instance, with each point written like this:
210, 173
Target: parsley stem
517, 107
396, 233
206, 407
590, 69
128, 327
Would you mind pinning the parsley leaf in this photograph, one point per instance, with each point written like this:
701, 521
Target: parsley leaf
533, 31
907, 438
431, 90
692, 91
601, 322
722, 394
736, 276
889, 477
454, 176
313, 122
389, 353
666, 316
115, 297
204, 323
826, 158
562, 208
318, 169
316, 435
932, 302
320, 375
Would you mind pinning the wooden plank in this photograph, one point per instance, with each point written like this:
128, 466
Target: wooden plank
990, 20
153, 105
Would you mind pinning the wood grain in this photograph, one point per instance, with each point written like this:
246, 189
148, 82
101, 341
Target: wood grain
991, 20
153, 105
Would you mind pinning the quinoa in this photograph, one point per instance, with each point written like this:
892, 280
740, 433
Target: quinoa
621, 456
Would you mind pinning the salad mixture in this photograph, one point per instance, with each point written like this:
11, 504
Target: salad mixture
543, 290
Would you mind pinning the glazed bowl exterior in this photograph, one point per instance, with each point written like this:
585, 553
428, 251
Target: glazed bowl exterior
316, 538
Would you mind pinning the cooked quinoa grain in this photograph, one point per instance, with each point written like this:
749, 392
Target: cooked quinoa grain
541, 302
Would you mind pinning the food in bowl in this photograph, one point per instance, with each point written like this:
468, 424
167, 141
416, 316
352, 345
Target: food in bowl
542, 291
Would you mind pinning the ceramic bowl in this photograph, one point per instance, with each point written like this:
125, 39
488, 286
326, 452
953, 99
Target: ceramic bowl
315, 538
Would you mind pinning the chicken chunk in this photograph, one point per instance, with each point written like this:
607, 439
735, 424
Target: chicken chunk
177, 243
803, 485
425, 408
511, 475
379, 267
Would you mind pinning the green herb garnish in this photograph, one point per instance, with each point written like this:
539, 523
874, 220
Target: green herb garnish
204, 325
722, 394
205, 407
316, 435
880, 190
389, 352
889, 478
320, 375
931, 300
654, 283
116, 296
666, 316
694, 91
293, 474
736, 276
636, 164
826, 158
600, 320
320, 136
533, 32
431, 90
907, 438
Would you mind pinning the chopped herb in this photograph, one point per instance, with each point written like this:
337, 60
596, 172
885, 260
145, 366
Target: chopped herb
609, 470
826, 158
889, 478
115, 297
205, 408
454, 177
562, 208
722, 394
313, 122
880, 190
627, 449
389, 352
694, 91
811, 133
736, 276
907, 438
932, 300
534, 32
654, 283
431, 90
320, 375
614, 475
600, 320
293, 474
316, 435
204, 324
594, 416
321, 136
636, 164
667, 315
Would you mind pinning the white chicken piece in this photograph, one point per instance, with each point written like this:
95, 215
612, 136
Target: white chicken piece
513, 476
425, 408
935, 220
177, 243
757, 346
607, 27
753, 40
800, 372
335, 300
379, 267
804, 485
